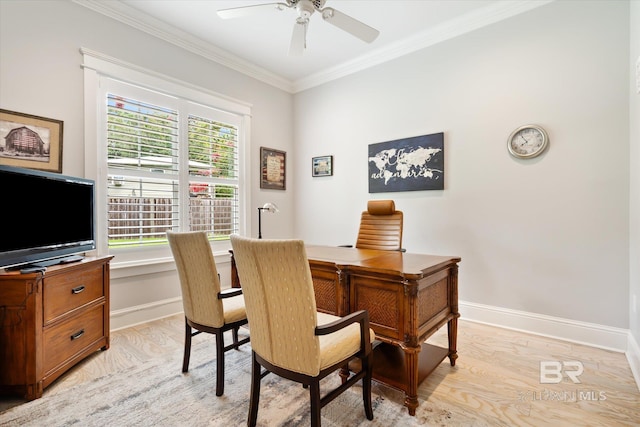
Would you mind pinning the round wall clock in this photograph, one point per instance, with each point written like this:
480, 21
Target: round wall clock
527, 141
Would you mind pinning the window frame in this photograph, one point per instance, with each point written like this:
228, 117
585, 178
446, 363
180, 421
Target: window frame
98, 67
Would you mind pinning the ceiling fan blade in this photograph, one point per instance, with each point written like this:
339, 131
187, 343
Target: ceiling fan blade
299, 37
349, 24
240, 12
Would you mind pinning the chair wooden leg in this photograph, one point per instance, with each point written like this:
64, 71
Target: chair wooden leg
219, 363
234, 332
187, 346
256, 376
344, 373
314, 394
366, 386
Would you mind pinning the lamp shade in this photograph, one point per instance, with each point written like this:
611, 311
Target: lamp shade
270, 207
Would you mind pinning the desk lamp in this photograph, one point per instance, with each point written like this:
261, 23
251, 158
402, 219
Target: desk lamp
269, 207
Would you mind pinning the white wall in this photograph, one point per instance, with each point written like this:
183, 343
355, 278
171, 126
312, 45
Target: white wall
634, 202
548, 236
40, 74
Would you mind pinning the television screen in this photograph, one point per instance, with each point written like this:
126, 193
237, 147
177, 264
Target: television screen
44, 216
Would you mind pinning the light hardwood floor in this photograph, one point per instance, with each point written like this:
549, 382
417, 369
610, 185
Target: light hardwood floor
496, 378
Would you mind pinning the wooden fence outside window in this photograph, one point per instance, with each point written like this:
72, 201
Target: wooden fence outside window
137, 217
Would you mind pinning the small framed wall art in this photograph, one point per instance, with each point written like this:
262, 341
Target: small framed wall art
273, 169
322, 166
30, 141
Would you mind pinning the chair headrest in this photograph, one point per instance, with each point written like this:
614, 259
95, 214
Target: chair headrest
381, 207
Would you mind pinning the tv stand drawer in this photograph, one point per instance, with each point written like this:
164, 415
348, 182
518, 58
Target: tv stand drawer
71, 337
66, 292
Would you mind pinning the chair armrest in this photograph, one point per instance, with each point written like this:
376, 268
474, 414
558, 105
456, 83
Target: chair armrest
361, 317
228, 293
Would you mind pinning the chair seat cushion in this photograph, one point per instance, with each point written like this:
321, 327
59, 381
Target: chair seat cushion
234, 309
339, 345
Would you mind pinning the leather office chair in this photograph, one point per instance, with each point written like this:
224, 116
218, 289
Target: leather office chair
288, 336
380, 227
206, 307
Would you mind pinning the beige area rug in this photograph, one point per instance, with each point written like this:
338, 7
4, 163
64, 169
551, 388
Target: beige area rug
157, 394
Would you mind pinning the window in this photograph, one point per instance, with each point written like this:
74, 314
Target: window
169, 159
144, 143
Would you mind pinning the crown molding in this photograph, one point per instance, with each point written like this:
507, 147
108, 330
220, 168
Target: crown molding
134, 18
495, 12
469, 22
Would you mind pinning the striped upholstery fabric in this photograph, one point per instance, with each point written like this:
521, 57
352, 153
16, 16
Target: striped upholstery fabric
281, 307
380, 226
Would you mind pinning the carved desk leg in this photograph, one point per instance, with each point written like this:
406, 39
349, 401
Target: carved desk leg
411, 393
452, 325
452, 328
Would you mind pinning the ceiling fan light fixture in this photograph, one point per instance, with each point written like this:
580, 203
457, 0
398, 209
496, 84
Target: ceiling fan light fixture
306, 8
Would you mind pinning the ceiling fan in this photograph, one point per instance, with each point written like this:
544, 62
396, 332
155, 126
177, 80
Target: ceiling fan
306, 8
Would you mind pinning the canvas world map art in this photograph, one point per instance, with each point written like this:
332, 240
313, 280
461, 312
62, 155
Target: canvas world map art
409, 164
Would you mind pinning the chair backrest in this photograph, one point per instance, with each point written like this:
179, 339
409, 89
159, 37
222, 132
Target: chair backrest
380, 226
280, 302
199, 280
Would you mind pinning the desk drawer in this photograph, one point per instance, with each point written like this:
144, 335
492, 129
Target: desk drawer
63, 341
63, 293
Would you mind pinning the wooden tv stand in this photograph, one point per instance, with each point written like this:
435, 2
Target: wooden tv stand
50, 321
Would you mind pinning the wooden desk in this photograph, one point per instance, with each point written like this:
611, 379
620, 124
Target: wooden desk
408, 296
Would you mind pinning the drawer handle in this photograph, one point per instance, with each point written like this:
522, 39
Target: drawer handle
77, 289
77, 335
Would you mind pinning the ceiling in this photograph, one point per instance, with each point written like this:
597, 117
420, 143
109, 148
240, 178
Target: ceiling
258, 45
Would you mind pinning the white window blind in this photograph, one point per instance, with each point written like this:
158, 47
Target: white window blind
213, 177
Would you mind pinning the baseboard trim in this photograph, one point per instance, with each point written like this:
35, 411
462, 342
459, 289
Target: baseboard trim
633, 356
591, 334
606, 337
144, 313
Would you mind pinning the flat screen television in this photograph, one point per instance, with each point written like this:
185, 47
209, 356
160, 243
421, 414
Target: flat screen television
46, 218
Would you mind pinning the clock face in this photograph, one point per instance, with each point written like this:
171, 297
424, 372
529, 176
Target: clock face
527, 141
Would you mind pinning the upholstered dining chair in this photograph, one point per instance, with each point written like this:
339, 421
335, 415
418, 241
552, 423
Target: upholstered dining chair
380, 227
206, 307
288, 336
